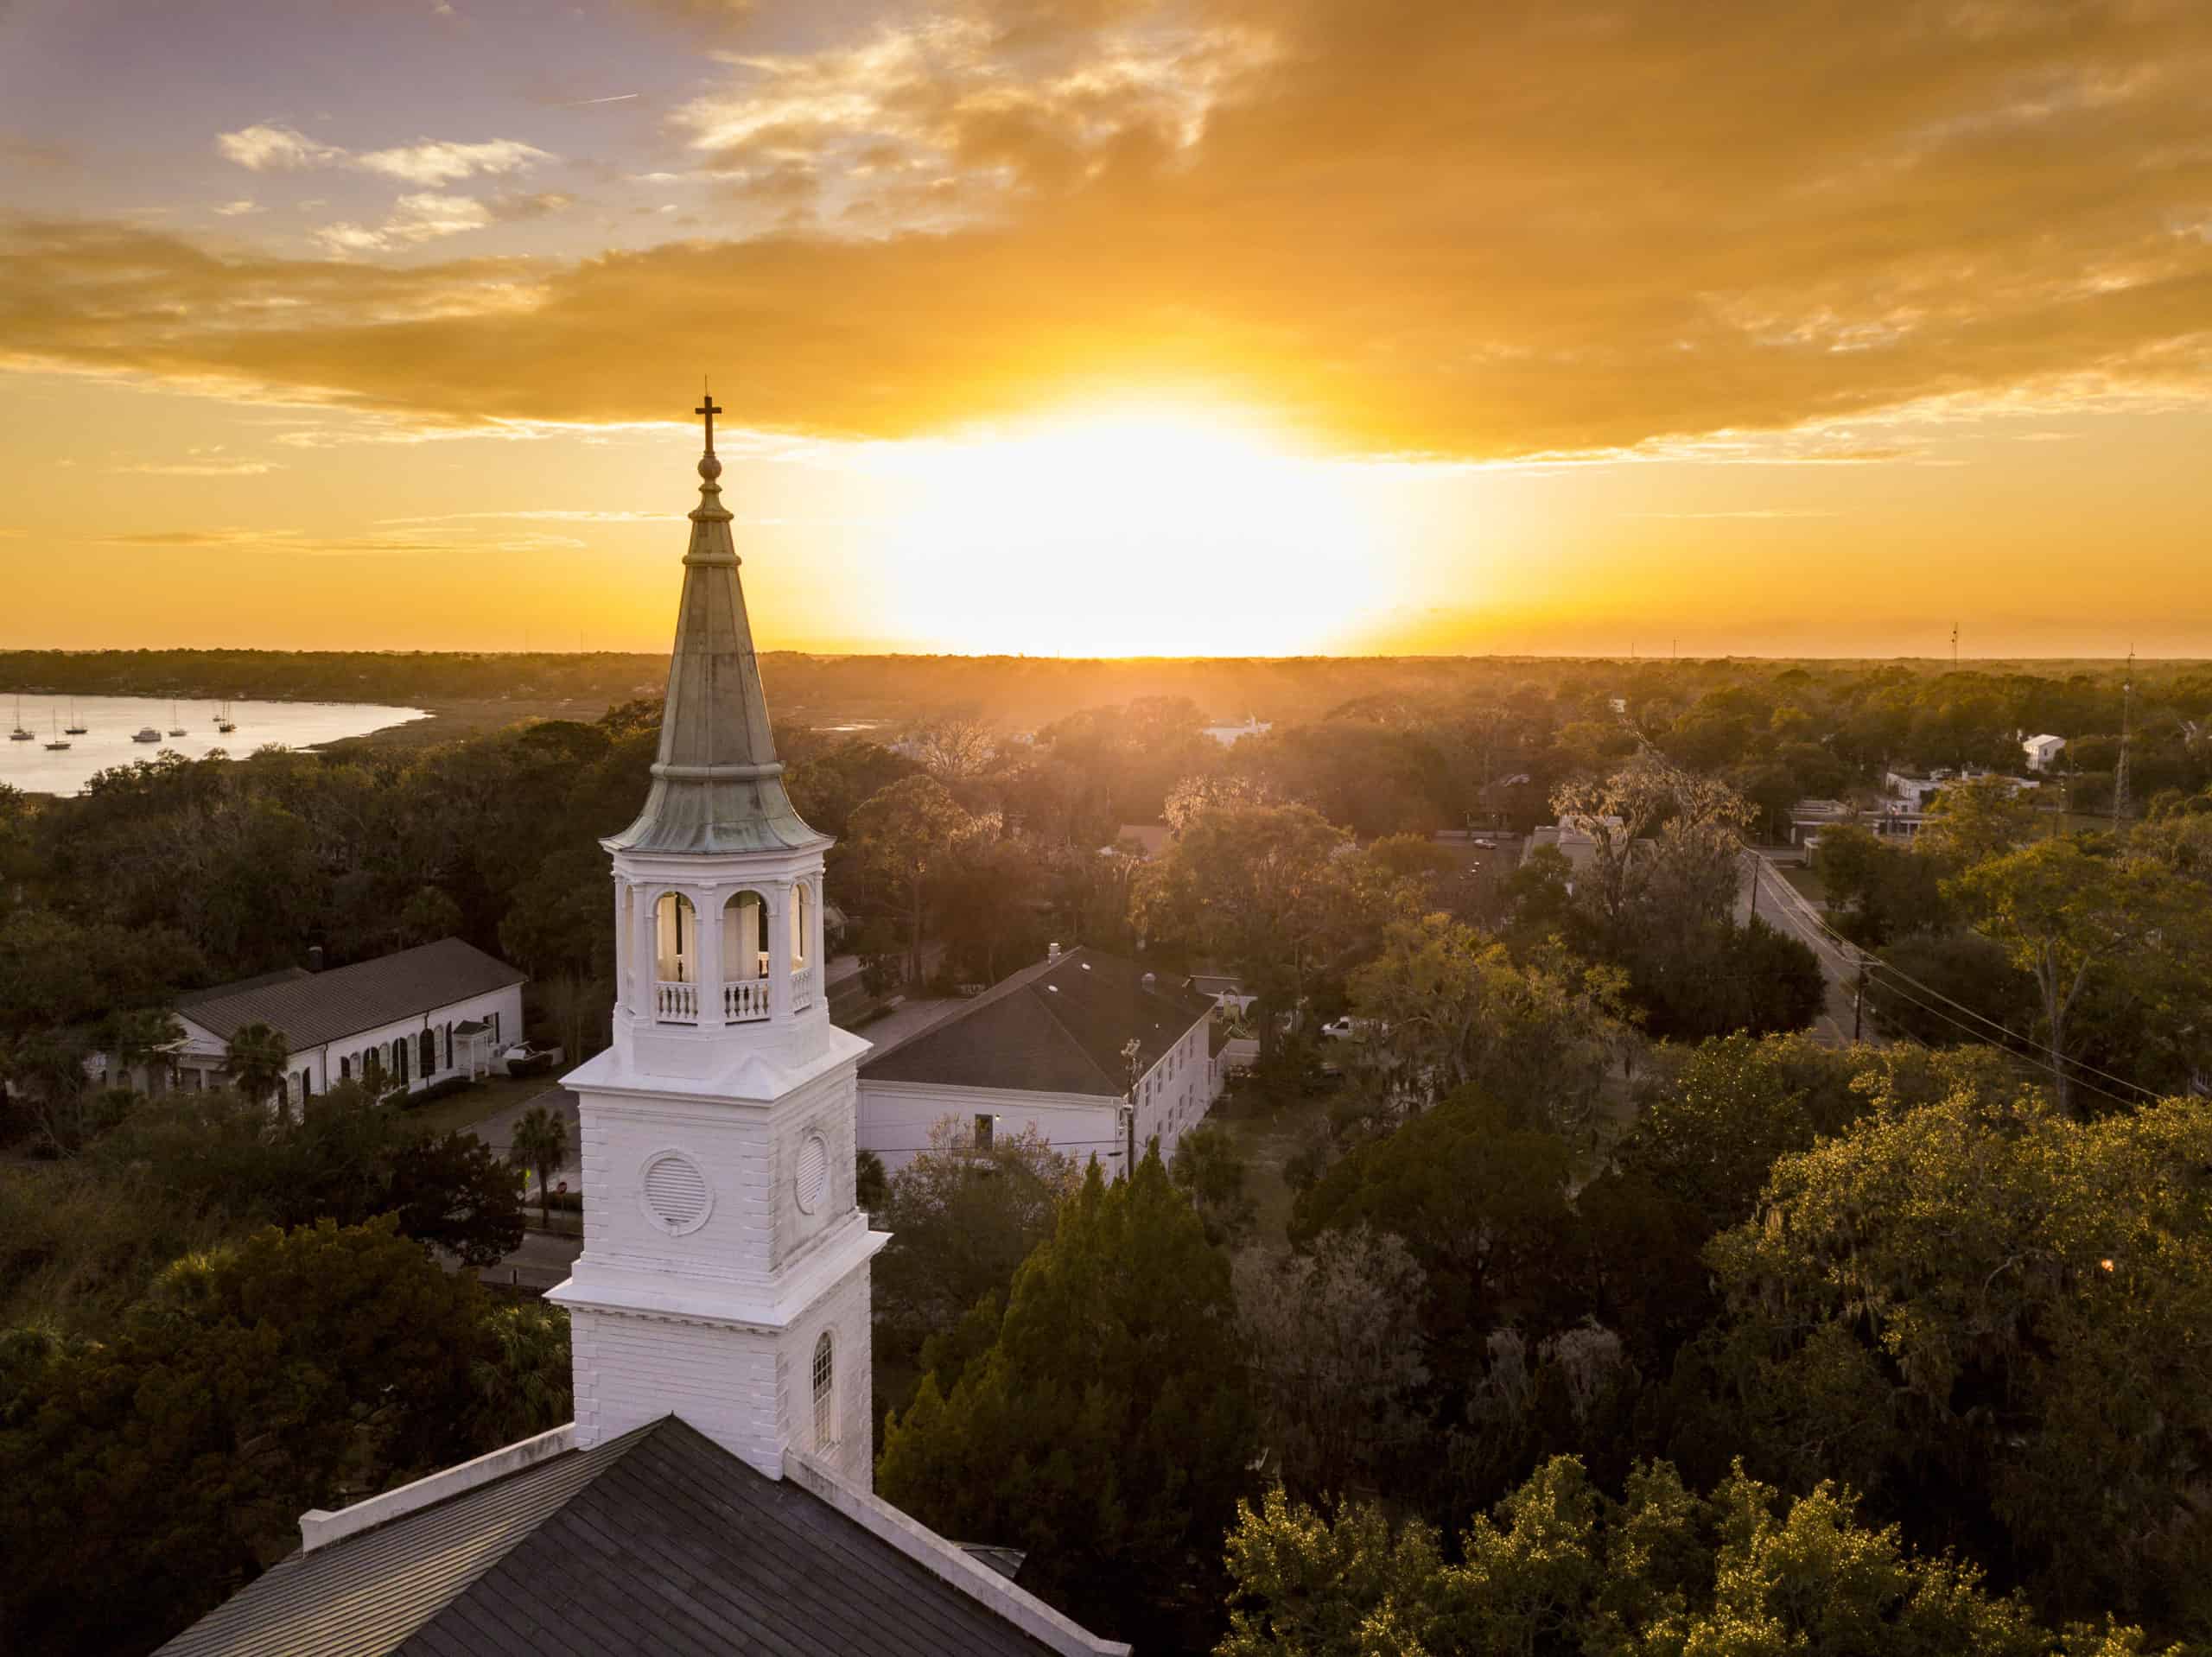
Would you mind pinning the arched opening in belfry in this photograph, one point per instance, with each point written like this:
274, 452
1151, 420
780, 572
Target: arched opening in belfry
675, 960
676, 934
745, 957
801, 922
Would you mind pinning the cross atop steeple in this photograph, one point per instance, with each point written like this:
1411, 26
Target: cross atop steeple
707, 407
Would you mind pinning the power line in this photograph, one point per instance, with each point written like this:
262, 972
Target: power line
2037, 1060
1815, 919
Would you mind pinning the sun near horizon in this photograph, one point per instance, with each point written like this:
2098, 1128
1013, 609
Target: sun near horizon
1161, 328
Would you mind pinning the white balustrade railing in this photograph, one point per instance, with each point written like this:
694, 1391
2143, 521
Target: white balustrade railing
745, 1000
676, 1003
802, 987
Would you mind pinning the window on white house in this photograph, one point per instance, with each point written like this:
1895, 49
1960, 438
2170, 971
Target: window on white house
825, 1393
983, 1122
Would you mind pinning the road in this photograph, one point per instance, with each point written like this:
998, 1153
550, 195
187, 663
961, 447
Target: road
1783, 906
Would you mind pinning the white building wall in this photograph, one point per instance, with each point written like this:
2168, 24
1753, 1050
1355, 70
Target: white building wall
504, 1005
896, 1117
201, 1062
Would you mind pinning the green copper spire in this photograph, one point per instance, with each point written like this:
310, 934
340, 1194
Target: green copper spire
717, 783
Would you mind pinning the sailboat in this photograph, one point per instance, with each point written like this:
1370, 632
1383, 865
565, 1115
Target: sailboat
75, 726
59, 741
223, 722
174, 728
19, 735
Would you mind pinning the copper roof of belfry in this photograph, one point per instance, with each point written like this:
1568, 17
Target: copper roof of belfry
717, 784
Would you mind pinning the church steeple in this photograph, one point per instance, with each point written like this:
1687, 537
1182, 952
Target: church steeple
725, 1271
717, 783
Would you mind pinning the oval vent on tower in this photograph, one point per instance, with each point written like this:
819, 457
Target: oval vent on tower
813, 1172
675, 1192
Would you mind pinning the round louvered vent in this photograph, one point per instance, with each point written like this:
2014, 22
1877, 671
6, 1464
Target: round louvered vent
675, 1192
813, 1170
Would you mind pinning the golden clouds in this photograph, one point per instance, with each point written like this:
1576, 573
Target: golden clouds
1525, 227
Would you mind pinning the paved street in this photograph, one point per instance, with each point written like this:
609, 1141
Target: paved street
1781, 905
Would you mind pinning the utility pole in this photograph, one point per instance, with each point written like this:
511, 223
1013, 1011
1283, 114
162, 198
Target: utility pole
1858, 1002
2120, 771
1131, 1054
1755, 860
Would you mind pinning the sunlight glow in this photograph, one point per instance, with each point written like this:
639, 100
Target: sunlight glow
1128, 529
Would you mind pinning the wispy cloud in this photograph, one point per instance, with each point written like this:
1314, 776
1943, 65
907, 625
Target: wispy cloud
415, 219
428, 162
205, 468
298, 543
237, 209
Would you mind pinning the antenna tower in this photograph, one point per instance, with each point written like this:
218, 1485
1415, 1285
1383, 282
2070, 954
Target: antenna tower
2120, 771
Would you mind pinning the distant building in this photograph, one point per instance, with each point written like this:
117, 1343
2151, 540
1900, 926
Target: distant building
2042, 751
1152, 839
1048, 1048
409, 1018
1228, 735
1916, 792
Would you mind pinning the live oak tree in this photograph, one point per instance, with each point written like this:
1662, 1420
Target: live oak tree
1980, 1309
1333, 1337
1107, 1426
1446, 1007
150, 1473
1975, 819
963, 1218
1258, 887
906, 835
2068, 915
1561, 1571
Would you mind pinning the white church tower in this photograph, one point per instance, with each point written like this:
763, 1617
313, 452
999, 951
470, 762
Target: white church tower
725, 1270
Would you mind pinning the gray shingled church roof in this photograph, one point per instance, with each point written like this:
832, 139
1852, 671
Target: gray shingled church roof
657, 1541
717, 784
1056, 1027
311, 1008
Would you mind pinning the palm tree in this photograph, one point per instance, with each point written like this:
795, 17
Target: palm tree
541, 1145
255, 1060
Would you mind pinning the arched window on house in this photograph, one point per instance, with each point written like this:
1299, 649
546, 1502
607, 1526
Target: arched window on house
449, 1043
825, 1393
399, 1061
426, 1047
372, 1070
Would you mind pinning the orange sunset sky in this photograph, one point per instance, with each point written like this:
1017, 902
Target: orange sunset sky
1107, 326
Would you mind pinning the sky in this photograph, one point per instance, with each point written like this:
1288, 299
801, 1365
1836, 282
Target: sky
1105, 326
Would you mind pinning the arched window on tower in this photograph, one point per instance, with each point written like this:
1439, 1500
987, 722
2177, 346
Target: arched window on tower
745, 957
825, 1393
675, 960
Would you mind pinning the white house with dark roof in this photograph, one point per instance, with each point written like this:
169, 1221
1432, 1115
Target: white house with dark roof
408, 1018
1051, 1049
715, 1491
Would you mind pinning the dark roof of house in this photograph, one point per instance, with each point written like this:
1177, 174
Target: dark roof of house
1056, 1027
311, 1008
657, 1541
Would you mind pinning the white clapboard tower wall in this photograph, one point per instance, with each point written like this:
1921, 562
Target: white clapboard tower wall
725, 1270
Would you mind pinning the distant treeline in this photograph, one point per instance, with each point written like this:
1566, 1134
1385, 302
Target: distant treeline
1018, 693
